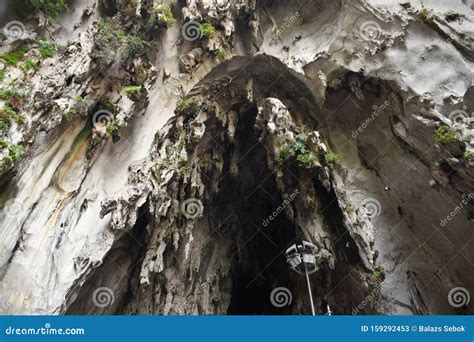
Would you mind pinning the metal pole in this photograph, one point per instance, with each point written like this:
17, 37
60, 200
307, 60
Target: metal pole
309, 289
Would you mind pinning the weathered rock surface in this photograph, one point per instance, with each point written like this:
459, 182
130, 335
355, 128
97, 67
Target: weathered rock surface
319, 122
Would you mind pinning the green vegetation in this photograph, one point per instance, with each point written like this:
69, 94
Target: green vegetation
15, 56
379, 274
78, 108
298, 151
332, 158
14, 151
445, 135
208, 30
165, 15
220, 54
5, 94
112, 127
321, 261
30, 65
469, 155
135, 47
8, 114
187, 106
132, 92
112, 44
426, 15
51, 8
47, 49
2, 75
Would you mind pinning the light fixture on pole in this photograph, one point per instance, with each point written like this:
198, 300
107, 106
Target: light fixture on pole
302, 259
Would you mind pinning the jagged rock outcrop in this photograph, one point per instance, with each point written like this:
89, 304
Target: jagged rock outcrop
166, 173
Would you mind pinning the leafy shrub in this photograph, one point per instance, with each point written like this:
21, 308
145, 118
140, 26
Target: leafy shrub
51, 8
112, 127
47, 49
427, 16
15, 56
208, 30
30, 65
3, 125
165, 15
332, 158
132, 92
187, 106
469, 155
5, 94
111, 44
14, 153
445, 135
135, 47
379, 274
220, 54
8, 114
298, 151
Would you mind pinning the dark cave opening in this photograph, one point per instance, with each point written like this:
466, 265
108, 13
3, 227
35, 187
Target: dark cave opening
258, 263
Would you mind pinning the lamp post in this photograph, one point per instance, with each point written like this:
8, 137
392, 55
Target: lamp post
302, 259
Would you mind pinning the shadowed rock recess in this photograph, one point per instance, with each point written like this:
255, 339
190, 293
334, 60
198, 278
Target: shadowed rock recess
158, 157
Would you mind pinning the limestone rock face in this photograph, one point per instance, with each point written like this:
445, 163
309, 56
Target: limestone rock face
165, 169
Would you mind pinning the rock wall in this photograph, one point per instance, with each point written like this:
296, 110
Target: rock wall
252, 125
